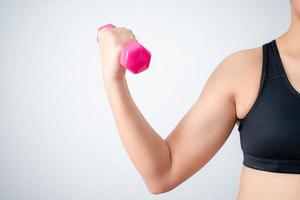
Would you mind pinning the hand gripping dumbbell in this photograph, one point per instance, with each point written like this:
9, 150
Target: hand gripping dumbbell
133, 56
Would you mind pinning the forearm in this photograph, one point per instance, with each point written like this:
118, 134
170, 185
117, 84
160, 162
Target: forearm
147, 150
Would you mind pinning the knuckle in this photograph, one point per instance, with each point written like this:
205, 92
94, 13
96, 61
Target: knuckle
132, 37
120, 29
104, 32
127, 30
130, 31
115, 41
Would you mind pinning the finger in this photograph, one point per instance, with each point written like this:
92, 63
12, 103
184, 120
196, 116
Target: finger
123, 30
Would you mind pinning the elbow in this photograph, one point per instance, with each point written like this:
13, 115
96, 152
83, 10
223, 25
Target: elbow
155, 191
158, 190
159, 186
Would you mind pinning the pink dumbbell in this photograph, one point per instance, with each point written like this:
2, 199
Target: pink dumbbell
133, 56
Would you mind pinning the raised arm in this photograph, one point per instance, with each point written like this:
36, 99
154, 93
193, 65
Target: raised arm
165, 163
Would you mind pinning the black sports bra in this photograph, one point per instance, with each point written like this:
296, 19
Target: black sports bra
270, 132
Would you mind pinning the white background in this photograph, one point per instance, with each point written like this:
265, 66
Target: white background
58, 139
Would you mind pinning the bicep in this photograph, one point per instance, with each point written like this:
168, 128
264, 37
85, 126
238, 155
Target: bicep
203, 129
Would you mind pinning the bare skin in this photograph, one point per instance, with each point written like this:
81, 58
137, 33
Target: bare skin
226, 97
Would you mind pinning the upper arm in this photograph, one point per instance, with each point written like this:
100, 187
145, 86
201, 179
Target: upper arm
205, 127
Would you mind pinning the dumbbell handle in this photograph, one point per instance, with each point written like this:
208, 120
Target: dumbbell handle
133, 56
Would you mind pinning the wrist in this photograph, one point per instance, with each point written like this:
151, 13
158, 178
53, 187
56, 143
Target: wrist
108, 83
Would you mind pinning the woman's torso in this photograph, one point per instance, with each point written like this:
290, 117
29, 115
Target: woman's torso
263, 185
258, 184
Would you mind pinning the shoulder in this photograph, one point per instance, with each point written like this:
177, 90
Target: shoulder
242, 60
239, 68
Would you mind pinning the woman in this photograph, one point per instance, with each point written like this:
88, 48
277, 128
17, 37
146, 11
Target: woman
257, 88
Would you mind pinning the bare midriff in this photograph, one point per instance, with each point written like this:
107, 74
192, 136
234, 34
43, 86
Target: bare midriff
263, 185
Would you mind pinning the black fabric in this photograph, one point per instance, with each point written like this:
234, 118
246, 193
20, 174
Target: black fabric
270, 132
